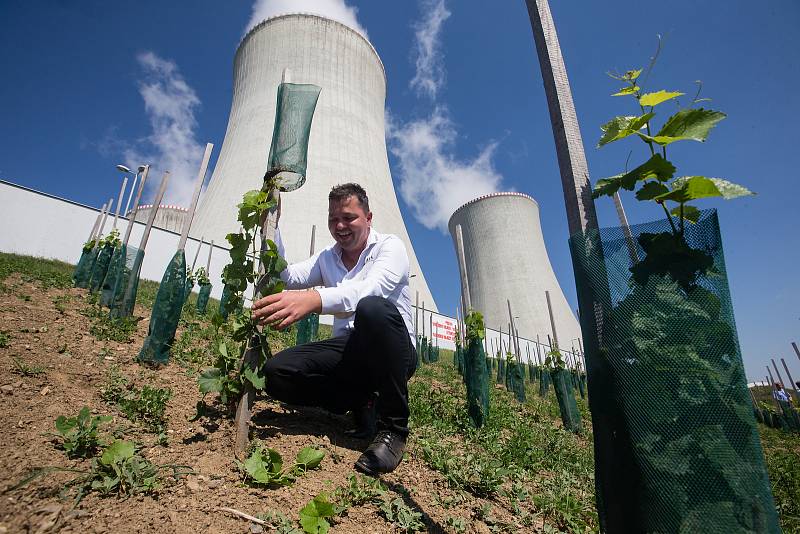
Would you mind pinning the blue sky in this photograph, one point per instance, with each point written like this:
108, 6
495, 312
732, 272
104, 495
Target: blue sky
72, 106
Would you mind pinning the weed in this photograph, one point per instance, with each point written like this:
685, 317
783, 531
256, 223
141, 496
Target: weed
402, 516
45, 273
314, 515
358, 491
146, 405
106, 328
25, 298
457, 524
118, 471
79, 434
5, 337
22, 368
60, 301
264, 466
278, 521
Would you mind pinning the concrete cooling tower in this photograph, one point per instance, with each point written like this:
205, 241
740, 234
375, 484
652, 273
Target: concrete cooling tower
167, 217
506, 259
347, 142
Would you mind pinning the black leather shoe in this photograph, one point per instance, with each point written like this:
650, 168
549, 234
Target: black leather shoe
383, 455
365, 422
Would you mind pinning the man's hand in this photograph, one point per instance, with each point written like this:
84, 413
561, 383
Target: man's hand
286, 308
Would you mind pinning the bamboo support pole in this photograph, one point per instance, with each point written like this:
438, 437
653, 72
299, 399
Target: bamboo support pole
462, 269
796, 350
552, 321
156, 204
198, 184
313, 238
778, 373
197, 253
96, 223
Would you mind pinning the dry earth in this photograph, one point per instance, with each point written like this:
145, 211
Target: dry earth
77, 365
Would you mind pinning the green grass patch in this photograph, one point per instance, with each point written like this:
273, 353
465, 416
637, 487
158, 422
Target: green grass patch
45, 273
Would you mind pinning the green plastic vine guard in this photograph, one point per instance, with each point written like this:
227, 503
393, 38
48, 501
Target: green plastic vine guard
202, 298
166, 312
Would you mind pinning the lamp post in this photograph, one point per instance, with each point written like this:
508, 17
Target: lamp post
139, 170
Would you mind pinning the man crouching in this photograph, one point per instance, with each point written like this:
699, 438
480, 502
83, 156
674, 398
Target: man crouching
362, 280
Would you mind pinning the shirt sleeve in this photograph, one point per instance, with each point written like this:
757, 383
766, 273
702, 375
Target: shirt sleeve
300, 275
388, 270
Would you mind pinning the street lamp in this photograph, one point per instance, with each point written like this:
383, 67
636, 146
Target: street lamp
123, 168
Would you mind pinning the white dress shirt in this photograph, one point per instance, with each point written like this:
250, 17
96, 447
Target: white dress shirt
382, 269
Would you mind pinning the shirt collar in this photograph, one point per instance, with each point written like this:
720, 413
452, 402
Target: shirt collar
372, 238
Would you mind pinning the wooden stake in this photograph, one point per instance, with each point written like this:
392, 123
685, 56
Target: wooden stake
626, 229
197, 253
96, 223
152, 216
198, 184
132, 217
552, 321
208, 262
462, 269
244, 409
105, 216
794, 385
796, 350
778, 373
313, 235
119, 201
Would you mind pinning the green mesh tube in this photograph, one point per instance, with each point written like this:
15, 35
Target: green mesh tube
676, 443
307, 329
223, 301
570, 416
289, 147
544, 382
202, 298
166, 312
582, 385
518, 381
531, 373
100, 267
501, 370
126, 285
80, 276
790, 415
477, 381
187, 289
107, 287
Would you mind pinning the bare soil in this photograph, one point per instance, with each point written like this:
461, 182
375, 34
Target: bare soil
77, 365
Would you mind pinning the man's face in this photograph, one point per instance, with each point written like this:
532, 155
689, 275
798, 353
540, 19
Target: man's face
349, 224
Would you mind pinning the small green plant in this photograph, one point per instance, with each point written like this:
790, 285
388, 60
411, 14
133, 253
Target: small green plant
112, 239
202, 276
358, 491
264, 466
146, 405
667, 253
5, 337
402, 516
229, 373
79, 434
457, 524
314, 515
60, 302
24, 369
554, 359
119, 471
278, 521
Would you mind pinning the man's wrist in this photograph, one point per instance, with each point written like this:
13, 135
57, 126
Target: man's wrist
318, 301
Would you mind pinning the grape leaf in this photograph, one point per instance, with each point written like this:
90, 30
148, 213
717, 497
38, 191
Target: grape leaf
654, 99
690, 213
656, 167
313, 514
310, 457
688, 188
651, 190
687, 124
116, 452
625, 91
621, 127
210, 380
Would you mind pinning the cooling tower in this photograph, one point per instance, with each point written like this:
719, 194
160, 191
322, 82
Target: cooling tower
506, 259
167, 217
347, 142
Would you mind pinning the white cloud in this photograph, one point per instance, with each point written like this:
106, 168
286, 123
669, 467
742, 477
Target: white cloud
337, 10
430, 74
170, 105
433, 182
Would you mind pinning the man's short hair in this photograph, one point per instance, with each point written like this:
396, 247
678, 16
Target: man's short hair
342, 192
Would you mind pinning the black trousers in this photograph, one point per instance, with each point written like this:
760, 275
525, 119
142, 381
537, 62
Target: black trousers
343, 372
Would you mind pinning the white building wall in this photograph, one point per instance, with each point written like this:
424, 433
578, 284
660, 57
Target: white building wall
347, 142
506, 259
37, 224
